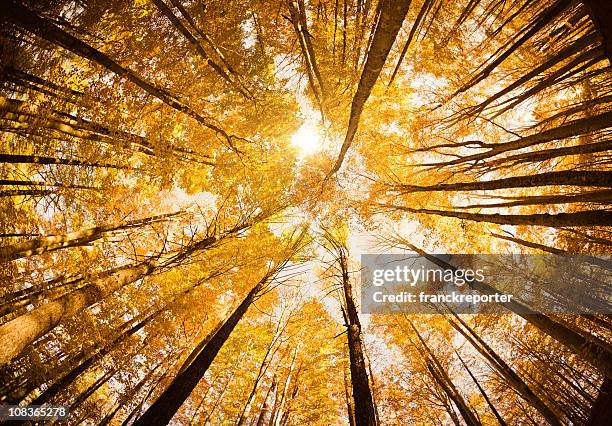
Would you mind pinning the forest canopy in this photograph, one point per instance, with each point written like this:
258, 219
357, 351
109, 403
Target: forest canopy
187, 186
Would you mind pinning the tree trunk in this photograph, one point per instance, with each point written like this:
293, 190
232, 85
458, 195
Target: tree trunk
392, 14
167, 12
561, 178
168, 403
365, 413
601, 15
601, 413
16, 334
511, 377
20, 332
298, 19
576, 127
350, 409
419, 19
539, 23
78, 238
35, 159
440, 375
482, 392
604, 196
584, 218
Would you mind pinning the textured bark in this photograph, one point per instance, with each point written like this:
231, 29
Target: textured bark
16, 13
18, 333
591, 348
365, 413
565, 178
78, 238
392, 14
603, 196
15, 335
584, 218
168, 403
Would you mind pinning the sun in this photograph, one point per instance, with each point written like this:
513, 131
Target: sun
307, 139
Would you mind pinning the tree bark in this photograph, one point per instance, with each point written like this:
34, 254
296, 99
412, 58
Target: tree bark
35, 159
584, 218
168, 403
482, 391
560, 178
18, 333
78, 238
365, 413
392, 14
601, 15
573, 128
601, 413
604, 196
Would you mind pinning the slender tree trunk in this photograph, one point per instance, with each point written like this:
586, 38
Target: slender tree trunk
350, 409
265, 406
35, 159
482, 392
507, 372
298, 19
539, 23
365, 414
417, 23
547, 154
167, 12
584, 218
440, 375
13, 182
392, 14
73, 239
603, 196
561, 178
168, 403
576, 127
